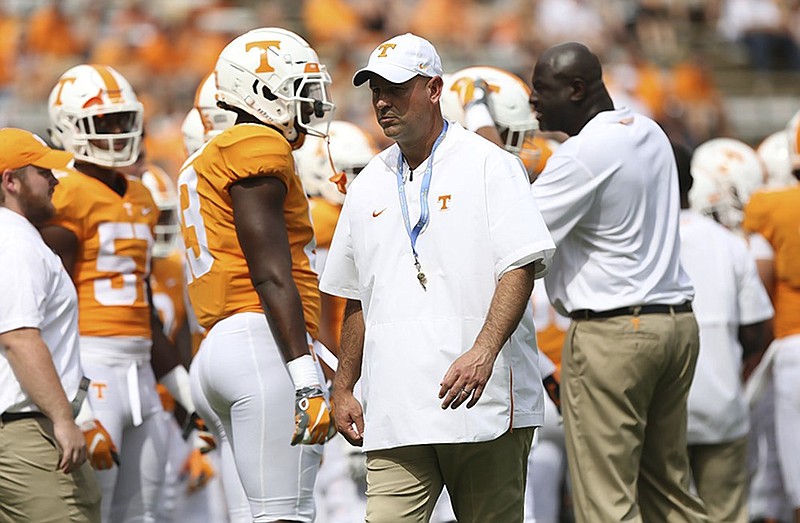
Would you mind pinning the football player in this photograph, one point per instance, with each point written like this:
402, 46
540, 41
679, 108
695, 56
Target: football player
103, 231
776, 216
726, 173
204, 121
494, 103
248, 237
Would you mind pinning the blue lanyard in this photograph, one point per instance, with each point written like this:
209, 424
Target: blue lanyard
424, 214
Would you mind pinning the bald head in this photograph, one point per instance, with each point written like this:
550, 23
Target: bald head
568, 88
573, 60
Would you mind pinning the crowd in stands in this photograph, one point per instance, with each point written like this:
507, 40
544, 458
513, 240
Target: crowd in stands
658, 53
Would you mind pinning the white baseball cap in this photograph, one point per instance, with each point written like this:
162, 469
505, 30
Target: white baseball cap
400, 59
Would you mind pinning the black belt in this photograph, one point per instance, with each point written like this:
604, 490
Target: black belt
587, 314
16, 416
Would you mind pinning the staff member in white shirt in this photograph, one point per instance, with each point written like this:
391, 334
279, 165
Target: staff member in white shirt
732, 308
44, 475
436, 249
610, 197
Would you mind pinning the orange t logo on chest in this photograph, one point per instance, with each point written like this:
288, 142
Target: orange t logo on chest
100, 387
444, 199
384, 48
265, 46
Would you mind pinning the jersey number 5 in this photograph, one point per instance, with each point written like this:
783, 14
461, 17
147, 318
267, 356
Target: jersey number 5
116, 240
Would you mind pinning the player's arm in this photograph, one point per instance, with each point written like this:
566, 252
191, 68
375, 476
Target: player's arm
64, 242
32, 364
754, 339
478, 117
349, 414
261, 230
164, 356
467, 376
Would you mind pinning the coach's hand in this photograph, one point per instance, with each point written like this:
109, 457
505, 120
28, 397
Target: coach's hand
466, 378
349, 416
312, 417
101, 449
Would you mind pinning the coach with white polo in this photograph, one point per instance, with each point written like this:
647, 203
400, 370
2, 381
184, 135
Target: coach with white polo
436, 250
609, 195
44, 475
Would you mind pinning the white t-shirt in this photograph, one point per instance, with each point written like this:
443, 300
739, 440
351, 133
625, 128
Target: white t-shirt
483, 223
37, 293
729, 293
609, 196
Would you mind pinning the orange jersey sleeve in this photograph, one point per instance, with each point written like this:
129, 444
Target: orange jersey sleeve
776, 216
115, 234
168, 293
220, 279
324, 216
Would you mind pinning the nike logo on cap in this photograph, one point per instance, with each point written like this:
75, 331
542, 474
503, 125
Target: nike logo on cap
375, 214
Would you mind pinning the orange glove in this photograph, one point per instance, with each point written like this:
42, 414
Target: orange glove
313, 419
102, 451
197, 469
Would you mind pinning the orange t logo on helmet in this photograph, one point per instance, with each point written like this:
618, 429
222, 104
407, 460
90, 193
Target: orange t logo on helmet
264, 67
64, 80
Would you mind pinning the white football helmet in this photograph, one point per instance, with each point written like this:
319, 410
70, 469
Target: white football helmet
774, 154
165, 195
709, 196
214, 119
507, 100
793, 130
350, 148
193, 131
274, 75
733, 171
94, 114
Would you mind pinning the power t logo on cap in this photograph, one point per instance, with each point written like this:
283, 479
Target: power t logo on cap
400, 59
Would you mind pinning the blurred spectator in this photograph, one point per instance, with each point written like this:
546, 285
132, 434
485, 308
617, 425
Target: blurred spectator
764, 29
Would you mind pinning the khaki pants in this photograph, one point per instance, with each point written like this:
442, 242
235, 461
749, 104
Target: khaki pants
31, 487
720, 476
486, 480
624, 386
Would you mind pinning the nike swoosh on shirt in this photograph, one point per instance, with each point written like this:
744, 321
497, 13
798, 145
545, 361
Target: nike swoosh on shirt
146, 211
375, 214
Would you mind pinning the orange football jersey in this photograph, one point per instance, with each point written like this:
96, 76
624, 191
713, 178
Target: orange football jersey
535, 153
166, 279
551, 327
776, 216
115, 235
220, 283
324, 216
